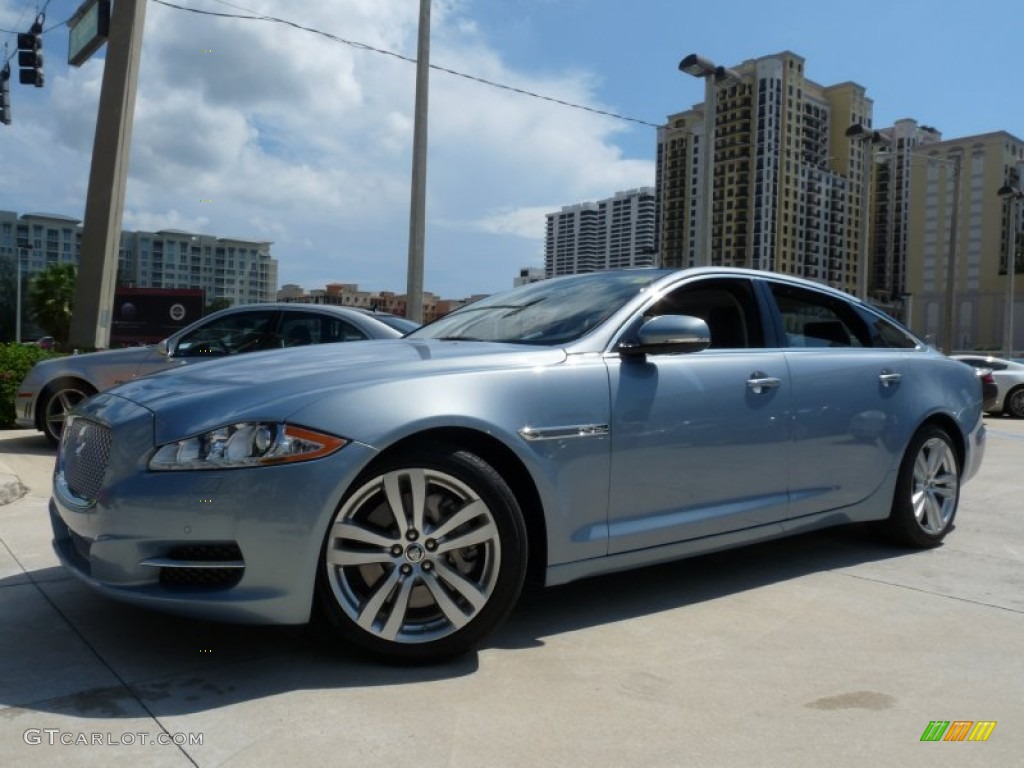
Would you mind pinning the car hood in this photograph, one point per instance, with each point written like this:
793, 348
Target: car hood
275, 384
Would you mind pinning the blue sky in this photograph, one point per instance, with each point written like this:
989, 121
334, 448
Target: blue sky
307, 142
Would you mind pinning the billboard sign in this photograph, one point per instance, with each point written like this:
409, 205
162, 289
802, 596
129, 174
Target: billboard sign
147, 315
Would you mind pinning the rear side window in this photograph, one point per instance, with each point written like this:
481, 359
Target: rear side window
885, 333
301, 328
812, 319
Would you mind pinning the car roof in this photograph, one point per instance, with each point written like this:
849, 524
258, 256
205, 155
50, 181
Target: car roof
296, 306
986, 358
291, 306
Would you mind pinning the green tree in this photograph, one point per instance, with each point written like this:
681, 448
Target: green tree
51, 295
217, 304
9, 303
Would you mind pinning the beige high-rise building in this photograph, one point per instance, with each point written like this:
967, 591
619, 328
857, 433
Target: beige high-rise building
787, 180
978, 219
890, 211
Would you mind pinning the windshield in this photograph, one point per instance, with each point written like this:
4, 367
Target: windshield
401, 324
549, 312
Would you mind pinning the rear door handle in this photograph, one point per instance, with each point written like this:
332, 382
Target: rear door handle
888, 378
759, 382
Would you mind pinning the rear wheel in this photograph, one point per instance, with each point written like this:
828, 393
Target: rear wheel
927, 490
1014, 404
57, 399
424, 558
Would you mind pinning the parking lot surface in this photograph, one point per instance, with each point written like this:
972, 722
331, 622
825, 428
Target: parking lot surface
829, 649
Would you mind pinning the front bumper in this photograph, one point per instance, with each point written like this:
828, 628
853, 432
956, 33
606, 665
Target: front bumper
25, 409
231, 545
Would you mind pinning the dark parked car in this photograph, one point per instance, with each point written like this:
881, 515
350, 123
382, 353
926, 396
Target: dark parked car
989, 389
52, 387
404, 489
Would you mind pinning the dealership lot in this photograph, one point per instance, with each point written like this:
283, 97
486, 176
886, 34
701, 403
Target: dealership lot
827, 649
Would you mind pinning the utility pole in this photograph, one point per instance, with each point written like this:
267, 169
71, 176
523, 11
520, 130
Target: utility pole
108, 179
418, 203
948, 321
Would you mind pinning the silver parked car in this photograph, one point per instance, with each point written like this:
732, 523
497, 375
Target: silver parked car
404, 490
54, 386
1009, 378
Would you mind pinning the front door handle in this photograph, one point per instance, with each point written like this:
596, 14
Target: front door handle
888, 378
759, 382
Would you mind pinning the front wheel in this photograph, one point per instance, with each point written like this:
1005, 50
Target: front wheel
424, 558
57, 399
927, 490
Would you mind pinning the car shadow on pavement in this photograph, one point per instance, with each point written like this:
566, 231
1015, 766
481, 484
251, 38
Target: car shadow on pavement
80, 654
30, 443
678, 584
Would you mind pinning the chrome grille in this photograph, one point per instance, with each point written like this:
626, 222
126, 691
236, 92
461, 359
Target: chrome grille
85, 454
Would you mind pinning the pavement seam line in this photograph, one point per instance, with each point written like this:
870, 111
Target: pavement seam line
929, 592
103, 662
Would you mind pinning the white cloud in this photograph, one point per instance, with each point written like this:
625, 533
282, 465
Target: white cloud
172, 219
521, 222
306, 141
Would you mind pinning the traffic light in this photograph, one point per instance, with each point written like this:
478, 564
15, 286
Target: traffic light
5, 94
30, 54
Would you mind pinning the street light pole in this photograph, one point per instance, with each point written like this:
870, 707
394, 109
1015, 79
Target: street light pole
908, 308
1012, 195
418, 203
698, 66
704, 257
17, 308
948, 324
868, 139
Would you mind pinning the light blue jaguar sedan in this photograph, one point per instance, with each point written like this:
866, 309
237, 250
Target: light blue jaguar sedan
404, 490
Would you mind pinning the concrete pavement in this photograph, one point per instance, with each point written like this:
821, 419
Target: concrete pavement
824, 650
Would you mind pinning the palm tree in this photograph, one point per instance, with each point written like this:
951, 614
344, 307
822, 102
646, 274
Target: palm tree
51, 295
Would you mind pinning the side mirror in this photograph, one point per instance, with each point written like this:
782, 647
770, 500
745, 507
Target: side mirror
164, 348
668, 335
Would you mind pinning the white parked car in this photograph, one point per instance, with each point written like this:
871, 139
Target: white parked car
1009, 376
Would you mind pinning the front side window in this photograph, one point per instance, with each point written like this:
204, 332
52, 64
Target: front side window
728, 307
229, 335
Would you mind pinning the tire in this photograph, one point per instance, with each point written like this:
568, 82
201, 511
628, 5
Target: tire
428, 583
927, 490
57, 399
1013, 405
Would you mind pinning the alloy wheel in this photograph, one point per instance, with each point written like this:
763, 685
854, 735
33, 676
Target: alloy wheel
413, 556
936, 486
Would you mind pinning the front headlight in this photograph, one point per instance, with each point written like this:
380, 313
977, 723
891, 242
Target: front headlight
248, 444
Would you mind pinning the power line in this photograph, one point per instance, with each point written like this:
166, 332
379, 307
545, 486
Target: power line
253, 16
